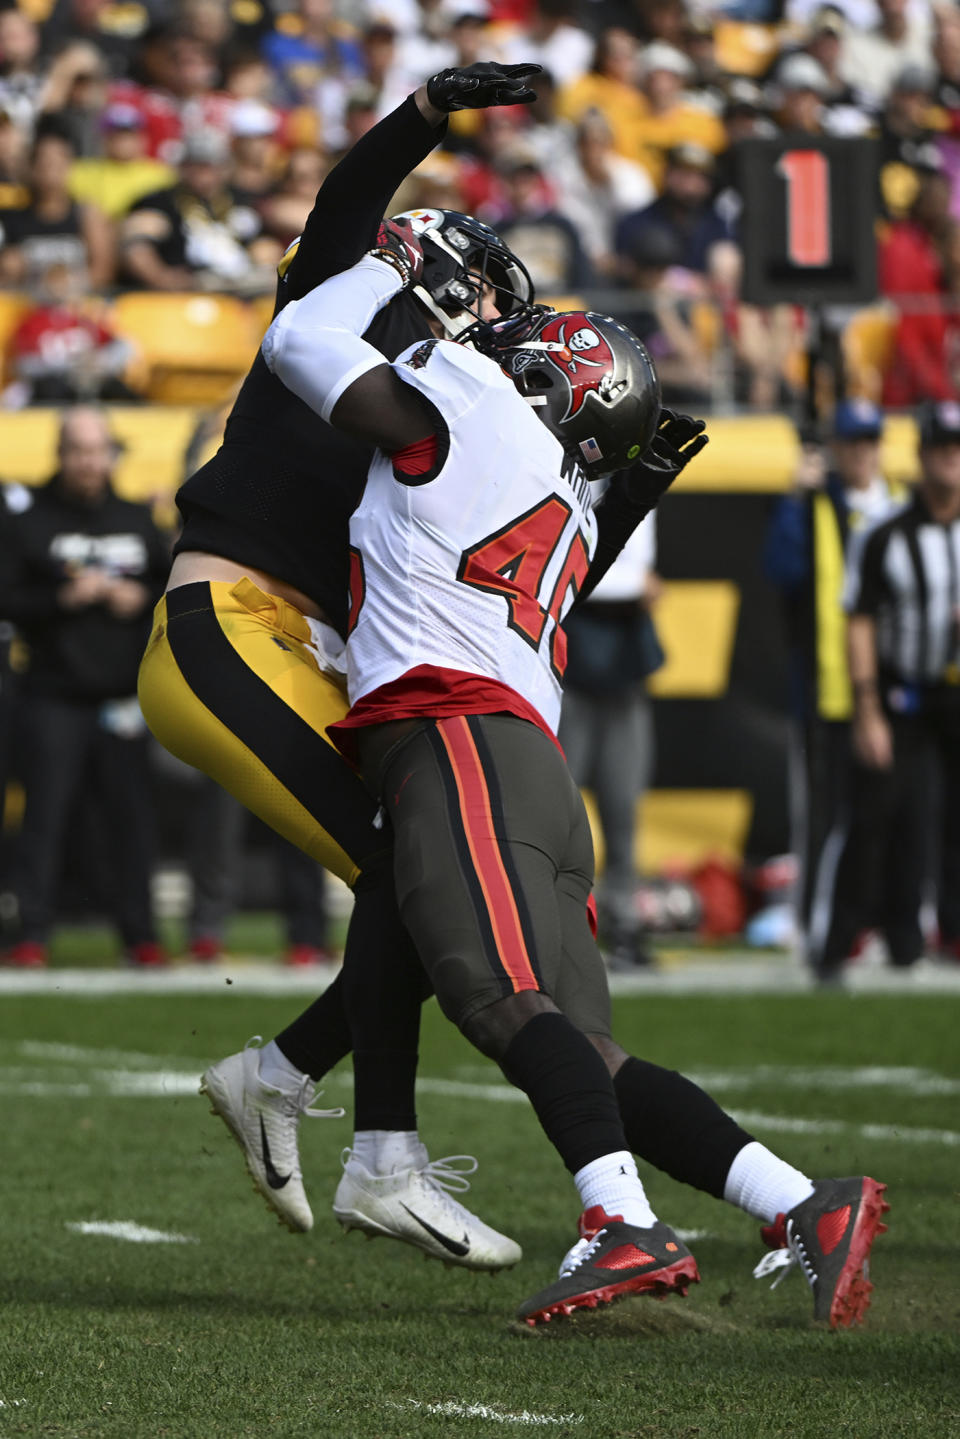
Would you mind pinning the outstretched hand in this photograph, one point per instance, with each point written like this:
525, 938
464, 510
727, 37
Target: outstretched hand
477, 87
678, 439
398, 245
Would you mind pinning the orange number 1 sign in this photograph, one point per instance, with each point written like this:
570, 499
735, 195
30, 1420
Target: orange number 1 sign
807, 174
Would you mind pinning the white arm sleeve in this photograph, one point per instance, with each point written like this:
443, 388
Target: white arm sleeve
314, 345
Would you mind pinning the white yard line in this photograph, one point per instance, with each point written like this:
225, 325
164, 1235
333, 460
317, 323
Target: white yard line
165, 1084
738, 974
454, 1409
129, 1230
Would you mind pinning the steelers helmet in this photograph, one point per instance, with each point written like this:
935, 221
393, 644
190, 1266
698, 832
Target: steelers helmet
460, 256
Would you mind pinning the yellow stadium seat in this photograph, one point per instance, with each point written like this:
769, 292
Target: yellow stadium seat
868, 342
743, 47
195, 346
13, 307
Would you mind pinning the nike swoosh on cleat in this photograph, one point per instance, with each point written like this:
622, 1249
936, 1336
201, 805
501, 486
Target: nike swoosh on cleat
454, 1246
275, 1180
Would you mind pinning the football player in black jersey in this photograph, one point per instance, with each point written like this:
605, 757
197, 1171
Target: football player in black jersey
237, 677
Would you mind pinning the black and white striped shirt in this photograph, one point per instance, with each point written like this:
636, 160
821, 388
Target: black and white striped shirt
905, 574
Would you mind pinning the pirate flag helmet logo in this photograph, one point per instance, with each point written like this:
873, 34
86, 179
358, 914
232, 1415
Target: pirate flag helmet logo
591, 382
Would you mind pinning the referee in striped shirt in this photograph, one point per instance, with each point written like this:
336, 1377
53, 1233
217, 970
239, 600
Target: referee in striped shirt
903, 603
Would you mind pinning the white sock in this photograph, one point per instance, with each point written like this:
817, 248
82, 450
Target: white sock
389, 1151
613, 1183
276, 1069
764, 1185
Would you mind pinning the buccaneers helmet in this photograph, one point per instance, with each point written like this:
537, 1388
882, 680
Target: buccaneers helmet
590, 379
460, 256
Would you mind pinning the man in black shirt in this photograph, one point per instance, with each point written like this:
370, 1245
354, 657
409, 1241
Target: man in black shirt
199, 231
903, 602
80, 570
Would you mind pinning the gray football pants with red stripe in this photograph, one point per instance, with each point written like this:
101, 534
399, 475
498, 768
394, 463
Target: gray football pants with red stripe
493, 862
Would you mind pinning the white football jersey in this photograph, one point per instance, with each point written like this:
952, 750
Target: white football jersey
472, 568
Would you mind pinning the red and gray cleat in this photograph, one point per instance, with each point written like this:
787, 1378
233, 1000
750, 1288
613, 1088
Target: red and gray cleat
830, 1236
611, 1262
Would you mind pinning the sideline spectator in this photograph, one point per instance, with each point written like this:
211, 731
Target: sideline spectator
546, 133
534, 229
904, 657
124, 172
75, 92
767, 343
61, 353
798, 95
659, 310
606, 727
597, 187
911, 273
872, 58
176, 92
14, 145
80, 570
672, 121
552, 37
310, 48
610, 86
285, 210
52, 228
256, 151
685, 209
834, 496
93, 24
21, 75
845, 115
197, 234
908, 144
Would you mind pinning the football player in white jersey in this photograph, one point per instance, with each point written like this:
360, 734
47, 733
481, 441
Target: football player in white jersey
474, 536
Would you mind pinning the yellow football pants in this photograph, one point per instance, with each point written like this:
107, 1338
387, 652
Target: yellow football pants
229, 684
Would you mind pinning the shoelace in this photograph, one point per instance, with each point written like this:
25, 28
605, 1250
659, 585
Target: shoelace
299, 1101
793, 1255
782, 1259
441, 1172
581, 1253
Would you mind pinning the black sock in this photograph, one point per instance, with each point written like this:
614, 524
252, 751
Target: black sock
569, 1087
319, 1037
676, 1127
385, 989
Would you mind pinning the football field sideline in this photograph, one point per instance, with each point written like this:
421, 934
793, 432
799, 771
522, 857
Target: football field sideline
683, 972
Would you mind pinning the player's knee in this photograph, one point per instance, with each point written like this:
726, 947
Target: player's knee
612, 1054
492, 1028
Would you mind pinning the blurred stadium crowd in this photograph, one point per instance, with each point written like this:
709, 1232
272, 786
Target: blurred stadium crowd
176, 145
158, 156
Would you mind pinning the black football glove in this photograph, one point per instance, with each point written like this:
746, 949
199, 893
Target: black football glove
678, 439
476, 87
399, 246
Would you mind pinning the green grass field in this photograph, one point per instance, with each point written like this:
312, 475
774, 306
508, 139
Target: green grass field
247, 1330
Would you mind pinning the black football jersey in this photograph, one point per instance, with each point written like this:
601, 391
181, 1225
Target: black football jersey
279, 492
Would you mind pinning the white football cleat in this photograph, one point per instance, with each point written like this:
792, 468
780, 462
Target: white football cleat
414, 1205
264, 1121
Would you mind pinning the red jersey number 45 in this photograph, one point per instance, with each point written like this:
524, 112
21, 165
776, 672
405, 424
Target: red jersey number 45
512, 563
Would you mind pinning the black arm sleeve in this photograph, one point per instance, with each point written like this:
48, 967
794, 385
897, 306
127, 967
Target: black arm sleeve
617, 517
354, 197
